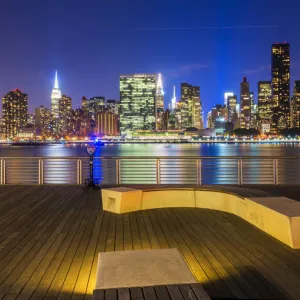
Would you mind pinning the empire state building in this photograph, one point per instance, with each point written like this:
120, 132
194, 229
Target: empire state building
55, 97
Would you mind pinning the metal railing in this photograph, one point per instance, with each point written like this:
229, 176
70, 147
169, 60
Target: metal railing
152, 170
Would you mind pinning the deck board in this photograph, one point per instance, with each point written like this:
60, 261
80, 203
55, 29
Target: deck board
50, 237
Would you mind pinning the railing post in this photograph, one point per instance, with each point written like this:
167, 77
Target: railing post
1, 171
199, 171
79, 171
240, 172
157, 171
118, 177
41, 171
275, 171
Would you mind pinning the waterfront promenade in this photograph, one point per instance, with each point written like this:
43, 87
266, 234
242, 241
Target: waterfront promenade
50, 237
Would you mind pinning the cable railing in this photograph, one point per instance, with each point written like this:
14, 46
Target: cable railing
126, 170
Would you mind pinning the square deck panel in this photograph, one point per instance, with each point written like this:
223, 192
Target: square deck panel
142, 268
121, 199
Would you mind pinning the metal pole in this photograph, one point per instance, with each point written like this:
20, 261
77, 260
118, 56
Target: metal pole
41, 171
118, 178
4, 172
1, 171
240, 172
199, 171
275, 171
157, 171
79, 171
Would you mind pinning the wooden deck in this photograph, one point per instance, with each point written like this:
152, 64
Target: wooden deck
50, 237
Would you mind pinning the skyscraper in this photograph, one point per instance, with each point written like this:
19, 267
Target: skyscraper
253, 117
43, 121
190, 96
55, 97
265, 106
226, 96
14, 112
66, 122
159, 103
295, 106
281, 86
112, 106
174, 100
137, 102
245, 105
232, 113
95, 105
107, 123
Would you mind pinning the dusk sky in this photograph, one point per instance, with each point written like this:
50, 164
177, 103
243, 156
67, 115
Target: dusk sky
91, 43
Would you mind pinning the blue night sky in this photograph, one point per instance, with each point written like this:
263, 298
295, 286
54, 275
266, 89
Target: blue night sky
92, 42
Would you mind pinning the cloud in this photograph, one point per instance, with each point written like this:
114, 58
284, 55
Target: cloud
187, 69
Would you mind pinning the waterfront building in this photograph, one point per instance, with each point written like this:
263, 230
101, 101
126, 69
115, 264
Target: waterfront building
137, 102
209, 123
14, 112
84, 103
107, 123
43, 121
66, 122
79, 118
55, 97
253, 116
231, 108
265, 106
159, 103
280, 69
227, 95
190, 104
295, 106
95, 105
245, 118
166, 119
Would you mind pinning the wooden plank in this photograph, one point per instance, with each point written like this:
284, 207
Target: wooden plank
111, 234
123, 294
149, 293
162, 293
136, 240
143, 231
111, 294
188, 293
174, 292
198, 291
136, 293
98, 295
127, 233
119, 245
151, 233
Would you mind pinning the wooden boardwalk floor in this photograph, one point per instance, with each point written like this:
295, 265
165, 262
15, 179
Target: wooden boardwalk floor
50, 237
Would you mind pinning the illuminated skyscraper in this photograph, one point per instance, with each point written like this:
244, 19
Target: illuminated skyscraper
265, 106
295, 106
137, 102
112, 106
281, 86
190, 97
107, 123
231, 107
159, 103
55, 97
43, 121
14, 112
174, 100
226, 96
66, 122
245, 105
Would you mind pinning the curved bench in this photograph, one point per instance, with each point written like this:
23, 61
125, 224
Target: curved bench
277, 216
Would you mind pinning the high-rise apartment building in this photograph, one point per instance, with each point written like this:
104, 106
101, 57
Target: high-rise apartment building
159, 103
66, 122
14, 112
226, 96
280, 86
245, 118
190, 97
112, 106
231, 107
137, 102
44, 121
95, 105
55, 97
295, 106
265, 106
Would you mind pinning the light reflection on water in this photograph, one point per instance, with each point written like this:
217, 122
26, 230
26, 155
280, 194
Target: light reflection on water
213, 171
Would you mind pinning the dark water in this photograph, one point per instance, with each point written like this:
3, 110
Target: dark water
279, 149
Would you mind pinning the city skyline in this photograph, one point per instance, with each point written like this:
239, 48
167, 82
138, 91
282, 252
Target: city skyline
203, 47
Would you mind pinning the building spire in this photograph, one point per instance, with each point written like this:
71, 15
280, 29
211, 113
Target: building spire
56, 81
